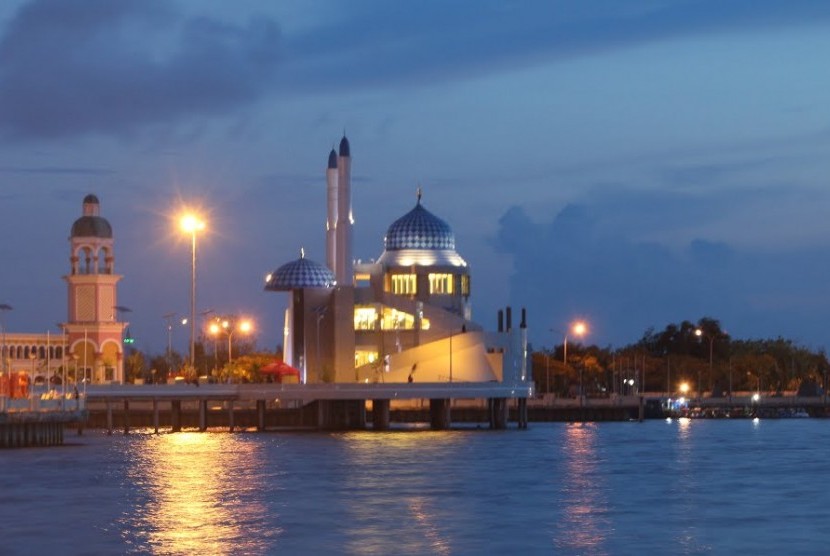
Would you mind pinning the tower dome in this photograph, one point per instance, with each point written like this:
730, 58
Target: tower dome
90, 224
302, 273
419, 229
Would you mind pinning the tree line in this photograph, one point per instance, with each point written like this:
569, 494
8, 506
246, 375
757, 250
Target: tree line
701, 355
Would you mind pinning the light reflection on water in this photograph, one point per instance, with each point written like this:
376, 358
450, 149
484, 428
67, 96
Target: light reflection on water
582, 529
682, 487
193, 495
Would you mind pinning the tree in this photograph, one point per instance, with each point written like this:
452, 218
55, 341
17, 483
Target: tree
134, 366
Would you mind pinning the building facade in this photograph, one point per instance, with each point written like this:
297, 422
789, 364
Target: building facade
402, 317
90, 343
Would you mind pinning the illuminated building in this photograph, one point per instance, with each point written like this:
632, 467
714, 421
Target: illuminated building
404, 316
91, 341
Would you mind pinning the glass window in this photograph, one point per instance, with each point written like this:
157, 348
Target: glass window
440, 283
404, 284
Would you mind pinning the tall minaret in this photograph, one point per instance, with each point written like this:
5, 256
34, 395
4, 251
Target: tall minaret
343, 271
331, 217
92, 327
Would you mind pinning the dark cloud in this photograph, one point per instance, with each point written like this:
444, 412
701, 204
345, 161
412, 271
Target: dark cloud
574, 265
381, 44
70, 68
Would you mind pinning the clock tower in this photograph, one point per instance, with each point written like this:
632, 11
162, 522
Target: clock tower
92, 328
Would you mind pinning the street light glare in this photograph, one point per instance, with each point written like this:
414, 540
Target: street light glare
191, 223
245, 326
580, 328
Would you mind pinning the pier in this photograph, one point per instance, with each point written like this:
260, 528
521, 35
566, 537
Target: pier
34, 422
316, 406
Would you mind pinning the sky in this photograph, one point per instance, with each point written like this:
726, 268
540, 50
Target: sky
633, 164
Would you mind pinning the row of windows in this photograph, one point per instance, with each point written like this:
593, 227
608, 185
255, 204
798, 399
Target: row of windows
369, 317
23, 352
439, 283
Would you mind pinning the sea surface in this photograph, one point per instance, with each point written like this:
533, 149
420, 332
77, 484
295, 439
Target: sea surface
658, 487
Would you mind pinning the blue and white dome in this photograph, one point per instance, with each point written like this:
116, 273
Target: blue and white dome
419, 238
419, 229
302, 273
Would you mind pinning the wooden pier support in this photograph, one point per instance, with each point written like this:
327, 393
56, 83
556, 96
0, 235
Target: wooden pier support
109, 418
126, 417
260, 415
156, 415
176, 415
521, 412
380, 415
202, 415
230, 415
498, 413
439, 414
31, 434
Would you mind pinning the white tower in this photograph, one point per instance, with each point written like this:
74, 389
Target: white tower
331, 215
343, 267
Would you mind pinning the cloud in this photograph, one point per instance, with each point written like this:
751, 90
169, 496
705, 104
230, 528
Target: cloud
73, 68
580, 265
379, 44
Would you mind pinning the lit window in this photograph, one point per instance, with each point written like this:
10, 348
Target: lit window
365, 318
364, 357
440, 283
465, 285
404, 284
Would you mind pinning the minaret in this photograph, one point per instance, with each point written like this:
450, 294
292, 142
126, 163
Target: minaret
331, 217
343, 271
92, 327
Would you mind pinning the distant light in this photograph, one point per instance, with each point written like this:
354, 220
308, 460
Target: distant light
756, 396
579, 328
191, 223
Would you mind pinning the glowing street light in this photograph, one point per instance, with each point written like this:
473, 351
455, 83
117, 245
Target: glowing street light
191, 224
578, 329
229, 326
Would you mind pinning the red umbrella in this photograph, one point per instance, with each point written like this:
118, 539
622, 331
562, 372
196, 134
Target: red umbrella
280, 369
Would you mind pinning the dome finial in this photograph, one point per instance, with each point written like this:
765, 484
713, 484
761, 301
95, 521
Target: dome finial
418, 193
302, 252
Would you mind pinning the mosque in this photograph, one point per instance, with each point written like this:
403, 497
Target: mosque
90, 342
404, 317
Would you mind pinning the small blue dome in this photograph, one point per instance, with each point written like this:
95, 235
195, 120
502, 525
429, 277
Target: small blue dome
419, 229
302, 273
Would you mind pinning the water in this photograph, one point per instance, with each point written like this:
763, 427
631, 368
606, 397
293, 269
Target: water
680, 487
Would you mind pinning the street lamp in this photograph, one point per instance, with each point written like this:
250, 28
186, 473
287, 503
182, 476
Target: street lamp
3, 308
579, 329
229, 326
168, 319
191, 224
699, 333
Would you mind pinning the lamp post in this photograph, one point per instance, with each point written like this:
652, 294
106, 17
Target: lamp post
32, 356
699, 333
191, 224
579, 329
229, 326
3, 308
168, 319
